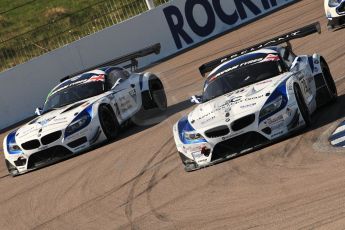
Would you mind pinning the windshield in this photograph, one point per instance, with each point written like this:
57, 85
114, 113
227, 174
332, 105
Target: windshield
239, 78
73, 94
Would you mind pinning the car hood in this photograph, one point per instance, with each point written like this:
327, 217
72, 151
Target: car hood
233, 105
52, 121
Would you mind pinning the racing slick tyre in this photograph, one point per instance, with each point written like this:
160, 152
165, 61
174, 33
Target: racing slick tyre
11, 169
302, 105
332, 89
108, 121
160, 99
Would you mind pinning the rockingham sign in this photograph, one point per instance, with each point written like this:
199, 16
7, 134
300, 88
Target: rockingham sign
191, 21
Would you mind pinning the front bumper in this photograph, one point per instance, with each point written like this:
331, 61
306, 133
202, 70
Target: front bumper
51, 153
252, 137
336, 22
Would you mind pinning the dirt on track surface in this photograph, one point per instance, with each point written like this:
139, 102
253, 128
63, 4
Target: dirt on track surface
138, 182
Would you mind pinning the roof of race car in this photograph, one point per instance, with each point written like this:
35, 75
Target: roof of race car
94, 75
249, 58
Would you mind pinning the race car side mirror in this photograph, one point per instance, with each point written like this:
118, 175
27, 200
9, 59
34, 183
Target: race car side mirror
196, 99
38, 111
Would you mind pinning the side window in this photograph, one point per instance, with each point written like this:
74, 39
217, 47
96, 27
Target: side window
117, 74
287, 55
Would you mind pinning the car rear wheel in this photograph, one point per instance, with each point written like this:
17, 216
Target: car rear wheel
302, 105
108, 122
155, 97
160, 99
332, 89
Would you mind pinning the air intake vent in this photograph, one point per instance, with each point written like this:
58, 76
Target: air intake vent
243, 122
237, 144
217, 131
34, 144
78, 142
51, 137
48, 156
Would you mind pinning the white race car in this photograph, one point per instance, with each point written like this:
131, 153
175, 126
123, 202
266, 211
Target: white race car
252, 98
80, 112
335, 12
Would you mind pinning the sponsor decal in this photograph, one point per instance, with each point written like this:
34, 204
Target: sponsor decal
96, 78
254, 98
290, 85
208, 120
225, 71
247, 106
237, 66
271, 57
273, 120
277, 134
45, 122
277, 126
133, 94
200, 161
185, 26
197, 155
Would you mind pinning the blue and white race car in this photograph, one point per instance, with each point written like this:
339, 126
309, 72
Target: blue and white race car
335, 13
252, 98
81, 112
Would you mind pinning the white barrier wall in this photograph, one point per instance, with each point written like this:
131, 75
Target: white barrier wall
177, 26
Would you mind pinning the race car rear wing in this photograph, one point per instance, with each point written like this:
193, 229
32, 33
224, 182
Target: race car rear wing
285, 38
131, 57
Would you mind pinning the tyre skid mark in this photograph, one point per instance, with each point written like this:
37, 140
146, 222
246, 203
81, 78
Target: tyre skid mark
131, 197
96, 199
152, 183
4, 176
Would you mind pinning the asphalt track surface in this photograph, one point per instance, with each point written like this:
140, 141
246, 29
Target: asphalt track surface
138, 182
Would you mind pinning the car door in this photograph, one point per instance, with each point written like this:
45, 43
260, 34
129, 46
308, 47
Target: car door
125, 99
306, 79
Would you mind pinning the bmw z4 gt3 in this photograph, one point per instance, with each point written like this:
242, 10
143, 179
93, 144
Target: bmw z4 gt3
252, 98
81, 112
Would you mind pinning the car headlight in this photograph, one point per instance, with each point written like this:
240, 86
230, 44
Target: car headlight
192, 136
12, 146
80, 122
271, 107
333, 3
188, 135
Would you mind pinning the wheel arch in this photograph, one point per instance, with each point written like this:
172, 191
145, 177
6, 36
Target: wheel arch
103, 104
149, 80
151, 83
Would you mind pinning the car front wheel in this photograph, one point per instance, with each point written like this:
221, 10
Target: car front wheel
108, 122
302, 105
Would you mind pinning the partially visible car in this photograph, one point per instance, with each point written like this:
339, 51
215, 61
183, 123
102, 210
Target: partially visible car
335, 13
